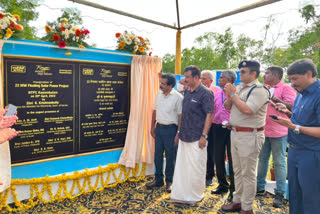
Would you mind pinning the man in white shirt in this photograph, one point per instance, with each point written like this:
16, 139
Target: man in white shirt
166, 118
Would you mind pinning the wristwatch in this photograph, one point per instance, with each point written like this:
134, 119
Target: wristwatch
204, 135
297, 129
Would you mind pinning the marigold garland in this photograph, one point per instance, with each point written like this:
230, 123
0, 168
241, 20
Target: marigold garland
36, 195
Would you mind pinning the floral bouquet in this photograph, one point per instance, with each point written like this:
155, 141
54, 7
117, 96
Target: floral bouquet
65, 34
134, 44
8, 25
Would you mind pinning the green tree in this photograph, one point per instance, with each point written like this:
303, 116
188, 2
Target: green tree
304, 42
168, 63
216, 51
26, 11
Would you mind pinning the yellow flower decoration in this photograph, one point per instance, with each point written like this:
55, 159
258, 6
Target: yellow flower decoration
9, 33
122, 43
16, 16
81, 46
68, 53
1, 36
48, 29
141, 49
40, 186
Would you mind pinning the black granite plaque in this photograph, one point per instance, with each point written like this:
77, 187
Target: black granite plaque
104, 106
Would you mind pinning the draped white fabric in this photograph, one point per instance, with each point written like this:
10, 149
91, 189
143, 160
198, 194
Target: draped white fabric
5, 161
139, 146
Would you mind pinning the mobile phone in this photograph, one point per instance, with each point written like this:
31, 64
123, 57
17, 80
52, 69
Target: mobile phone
11, 110
275, 117
272, 104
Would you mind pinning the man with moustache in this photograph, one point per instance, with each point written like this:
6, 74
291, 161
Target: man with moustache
304, 138
190, 171
166, 118
248, 104
221, 136
276, 136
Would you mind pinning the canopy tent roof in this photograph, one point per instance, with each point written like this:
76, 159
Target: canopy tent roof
195, 10
103, 25
176, 12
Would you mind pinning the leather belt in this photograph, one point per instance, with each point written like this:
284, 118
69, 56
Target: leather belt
247, 129
165, 126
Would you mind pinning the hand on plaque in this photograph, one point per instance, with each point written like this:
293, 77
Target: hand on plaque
7, 121
7, 134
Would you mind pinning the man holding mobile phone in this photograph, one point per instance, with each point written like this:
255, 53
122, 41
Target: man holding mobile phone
304, 138
275, 136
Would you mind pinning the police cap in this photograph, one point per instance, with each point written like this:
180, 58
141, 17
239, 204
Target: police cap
254, 65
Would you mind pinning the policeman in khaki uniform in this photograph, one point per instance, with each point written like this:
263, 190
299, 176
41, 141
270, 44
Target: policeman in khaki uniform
248, 104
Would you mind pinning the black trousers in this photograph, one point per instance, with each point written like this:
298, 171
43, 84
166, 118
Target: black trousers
222, 141
210, 156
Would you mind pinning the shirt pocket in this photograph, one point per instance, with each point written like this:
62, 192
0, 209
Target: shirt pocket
194, 106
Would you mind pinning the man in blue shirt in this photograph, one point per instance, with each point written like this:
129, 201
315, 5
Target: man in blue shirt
304, 139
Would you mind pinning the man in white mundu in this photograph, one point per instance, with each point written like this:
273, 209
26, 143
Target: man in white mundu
190, 171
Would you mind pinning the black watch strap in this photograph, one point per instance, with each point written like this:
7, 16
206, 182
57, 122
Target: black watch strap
204, 135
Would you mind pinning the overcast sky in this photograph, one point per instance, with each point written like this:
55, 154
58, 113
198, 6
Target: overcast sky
103, 25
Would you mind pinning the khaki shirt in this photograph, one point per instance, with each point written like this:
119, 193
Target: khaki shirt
168, 107
257, 102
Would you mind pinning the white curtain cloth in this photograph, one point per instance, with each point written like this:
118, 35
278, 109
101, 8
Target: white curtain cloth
189, 179
139, 146
5, 160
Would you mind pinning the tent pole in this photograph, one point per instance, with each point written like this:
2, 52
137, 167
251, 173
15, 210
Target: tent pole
178, 53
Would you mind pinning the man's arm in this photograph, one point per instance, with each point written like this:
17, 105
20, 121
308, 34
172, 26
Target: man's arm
176, 139
283, 109
207, 125
287, 104
241, 105
233, 98
228, 103
311, 131
287, 97
153, 123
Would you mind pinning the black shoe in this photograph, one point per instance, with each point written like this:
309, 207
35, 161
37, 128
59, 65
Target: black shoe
278, 200
220, 190
261, 193
230, 197
168, 187
154, 184
209, 182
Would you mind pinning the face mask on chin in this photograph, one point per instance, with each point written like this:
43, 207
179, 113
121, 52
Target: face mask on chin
180, 87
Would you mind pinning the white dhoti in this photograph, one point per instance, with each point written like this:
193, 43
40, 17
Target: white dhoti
5, 166
189, 177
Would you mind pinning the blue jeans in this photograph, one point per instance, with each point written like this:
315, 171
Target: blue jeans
304, 181
278, 147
